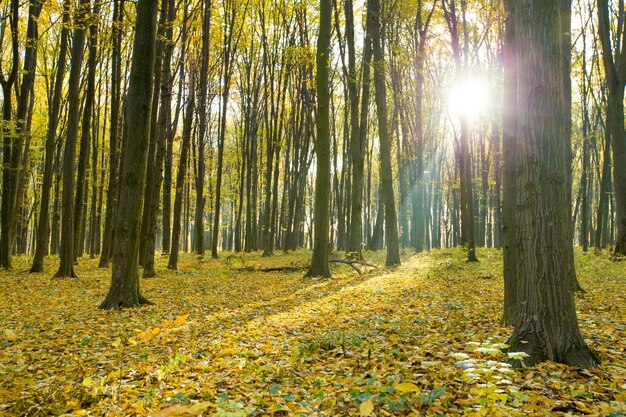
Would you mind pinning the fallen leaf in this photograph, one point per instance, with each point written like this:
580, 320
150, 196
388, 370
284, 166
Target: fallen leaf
406, 387
366, 407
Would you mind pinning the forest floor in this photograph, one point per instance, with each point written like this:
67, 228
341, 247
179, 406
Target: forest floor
421, 339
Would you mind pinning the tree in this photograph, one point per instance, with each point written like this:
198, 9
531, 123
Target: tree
546, 327
204, 73
464, 155
182, 173
66, 252
509, 132
124, 290
358, 129
391, 218
8, 143
116, 74
615, 69
321, 215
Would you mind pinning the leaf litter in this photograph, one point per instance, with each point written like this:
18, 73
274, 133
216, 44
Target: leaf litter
421, 339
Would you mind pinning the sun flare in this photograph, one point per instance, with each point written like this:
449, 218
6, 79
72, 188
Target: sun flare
468, 98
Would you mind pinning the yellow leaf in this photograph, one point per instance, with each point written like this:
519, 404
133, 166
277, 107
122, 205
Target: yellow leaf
366, 407
177, 322
10, 335
406, 387
180, 320
174, 410
86, 381
116, 343
148, 335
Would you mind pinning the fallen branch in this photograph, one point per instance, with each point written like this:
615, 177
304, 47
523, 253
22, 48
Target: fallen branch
302, 267
271, 269
351, 263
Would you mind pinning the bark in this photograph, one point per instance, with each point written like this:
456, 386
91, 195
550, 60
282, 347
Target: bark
391, 219
163, 132
180, 176
85, 140
321, 214
615, 69
43, 228
9, 143
116, 75
509, 170
546, 327
66, 252
200, 199
151, 168
358, 129
124, 290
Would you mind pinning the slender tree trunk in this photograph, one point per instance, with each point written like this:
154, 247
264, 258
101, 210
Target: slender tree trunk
615, 69
391, 219
181, 175
163, 133
85, 140
319, 261
66, 253
116, 75
43, 228
9, 142
200, 199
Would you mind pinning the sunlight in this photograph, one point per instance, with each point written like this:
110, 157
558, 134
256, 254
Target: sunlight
469, 98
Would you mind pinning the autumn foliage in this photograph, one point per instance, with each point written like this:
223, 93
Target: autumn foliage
422, 339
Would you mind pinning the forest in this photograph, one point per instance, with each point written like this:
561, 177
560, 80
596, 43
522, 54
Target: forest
322, 207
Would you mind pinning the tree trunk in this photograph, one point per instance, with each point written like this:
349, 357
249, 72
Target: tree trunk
509, 170
164, 132
321, 215
10, 145
124, 291
546, 327
66, 253
181, 175
358, 131
116, 75
43, 228
85, 139
615, 69
391, 219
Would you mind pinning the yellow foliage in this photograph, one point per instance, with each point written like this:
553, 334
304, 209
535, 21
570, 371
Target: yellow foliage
422, 339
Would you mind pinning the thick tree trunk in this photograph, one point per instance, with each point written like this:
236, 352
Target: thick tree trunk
124, 291
509, 170
546, 327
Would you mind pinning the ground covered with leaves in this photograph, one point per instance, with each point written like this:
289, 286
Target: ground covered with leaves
222, 339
